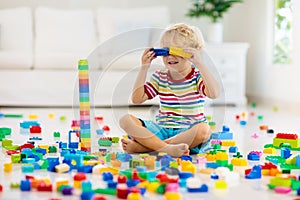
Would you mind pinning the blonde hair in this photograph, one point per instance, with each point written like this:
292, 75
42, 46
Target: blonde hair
182, 35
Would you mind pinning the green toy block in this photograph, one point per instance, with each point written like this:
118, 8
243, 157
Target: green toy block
105, 143
5, 131
52, 149
295, 184
222, 162
161, 189
13, 147
281, 182
115, 139
13, 115
136, 162
56, 134
6, 143
16, 158
277, 142
127, 173
43, 164
108, 191
14, 185
173, 164
90, 157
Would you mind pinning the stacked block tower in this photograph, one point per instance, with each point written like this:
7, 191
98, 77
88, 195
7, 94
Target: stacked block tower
84, 105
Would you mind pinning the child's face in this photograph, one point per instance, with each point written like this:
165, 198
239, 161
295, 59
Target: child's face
175, 62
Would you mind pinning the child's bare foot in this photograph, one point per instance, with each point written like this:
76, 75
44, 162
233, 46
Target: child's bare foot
176, 150
131, 146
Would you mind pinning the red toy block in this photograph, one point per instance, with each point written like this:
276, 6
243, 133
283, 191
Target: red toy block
98, 197
99, 118
35, 129
247, 171
79, 176
29, 177
1, 188
27, 145
269, 165
10, 152
289, 136
43, 187
106, 128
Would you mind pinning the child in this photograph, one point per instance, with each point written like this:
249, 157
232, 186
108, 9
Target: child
180, 125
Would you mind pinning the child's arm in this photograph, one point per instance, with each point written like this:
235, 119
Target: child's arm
139, 95
212, 89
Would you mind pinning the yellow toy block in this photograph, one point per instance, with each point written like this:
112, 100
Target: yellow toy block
61, 182
239, 162
220, 184
187, 166
210, 157
44, 146
152, 186
33, 116
77, 184
112, 170
176, 51
7, 167
206, 170
172, 196
228, 143
221, 156
269, 150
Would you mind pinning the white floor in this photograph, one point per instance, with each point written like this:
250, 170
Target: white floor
280, 121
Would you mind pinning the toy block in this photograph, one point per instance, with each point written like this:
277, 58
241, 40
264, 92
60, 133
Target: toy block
285, 153
228, 143
176, 51
221, 156
233, 149
255, 173
239, 162
253, 156
161, 51
28, 124
16, 158
7, 167
269, 150
25, 185
60, 183
6, 143
135, 162
220, 184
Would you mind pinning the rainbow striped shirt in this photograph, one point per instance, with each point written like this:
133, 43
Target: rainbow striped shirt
181, 101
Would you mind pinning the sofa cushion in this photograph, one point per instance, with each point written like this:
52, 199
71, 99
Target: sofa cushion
16, 38
68, 33
123, 32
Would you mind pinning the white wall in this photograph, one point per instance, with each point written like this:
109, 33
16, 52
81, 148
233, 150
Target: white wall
250, 21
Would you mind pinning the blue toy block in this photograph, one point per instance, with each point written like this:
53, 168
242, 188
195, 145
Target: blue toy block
28, 160
73, 145
35, 139
285, 153
165, 161
78, 160
26, 151
52, 162
253, 156
225, 128
27, 168
112, 184
36, 165
124, 157
185, 175
62, 145
161, 51
40, 150
100, 131
107, 176
222, 136
212, 165
255, 173
27, 124
87, 195
203, 188
297, 162
298, 192
132, 183
25, 185
189, 158
233, 149
85, 168
86, 186
214, 176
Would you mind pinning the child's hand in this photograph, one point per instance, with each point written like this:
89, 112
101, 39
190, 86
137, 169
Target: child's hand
196, 55
148, 56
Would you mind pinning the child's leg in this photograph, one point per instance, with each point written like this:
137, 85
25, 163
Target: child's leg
194, 136
133, 127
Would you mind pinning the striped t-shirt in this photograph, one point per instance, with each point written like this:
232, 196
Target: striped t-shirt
181, 101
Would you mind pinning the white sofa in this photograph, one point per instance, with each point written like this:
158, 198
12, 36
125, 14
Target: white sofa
40, 48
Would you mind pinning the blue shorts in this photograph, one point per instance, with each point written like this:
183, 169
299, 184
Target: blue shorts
166, 133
